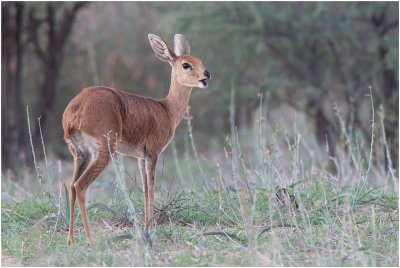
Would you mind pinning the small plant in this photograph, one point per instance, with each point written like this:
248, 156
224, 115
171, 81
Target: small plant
47, 177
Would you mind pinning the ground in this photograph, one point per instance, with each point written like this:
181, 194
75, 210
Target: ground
317, 225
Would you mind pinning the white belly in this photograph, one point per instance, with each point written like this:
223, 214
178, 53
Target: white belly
129, 149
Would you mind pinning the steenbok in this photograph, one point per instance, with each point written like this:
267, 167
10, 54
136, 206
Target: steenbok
101, 121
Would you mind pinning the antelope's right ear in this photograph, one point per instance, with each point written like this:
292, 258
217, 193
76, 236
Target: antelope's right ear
161, 49
181, 45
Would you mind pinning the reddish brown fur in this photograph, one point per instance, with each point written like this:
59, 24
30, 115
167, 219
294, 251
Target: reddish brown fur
100, 121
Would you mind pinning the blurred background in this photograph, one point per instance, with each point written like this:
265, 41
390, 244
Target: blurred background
305, 61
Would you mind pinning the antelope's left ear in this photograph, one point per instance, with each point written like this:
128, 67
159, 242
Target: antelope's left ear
161, 49
181, 45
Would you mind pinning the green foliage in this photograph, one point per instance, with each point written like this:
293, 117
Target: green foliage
25, 213
196, 238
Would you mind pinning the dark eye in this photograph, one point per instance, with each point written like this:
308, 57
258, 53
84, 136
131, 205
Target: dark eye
186, 66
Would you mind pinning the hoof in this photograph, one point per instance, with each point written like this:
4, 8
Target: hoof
70, 242
89, 241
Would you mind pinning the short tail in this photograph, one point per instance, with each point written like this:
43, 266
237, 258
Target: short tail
70, 123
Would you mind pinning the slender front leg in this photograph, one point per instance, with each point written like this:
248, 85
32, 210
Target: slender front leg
151, 163
142, 168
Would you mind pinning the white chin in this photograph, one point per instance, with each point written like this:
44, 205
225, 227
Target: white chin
201, 85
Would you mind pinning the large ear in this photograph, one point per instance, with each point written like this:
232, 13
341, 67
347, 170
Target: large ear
161, 49
181, 45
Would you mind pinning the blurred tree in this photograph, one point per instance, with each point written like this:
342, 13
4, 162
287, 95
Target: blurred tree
13, 45
24, 25
54, 26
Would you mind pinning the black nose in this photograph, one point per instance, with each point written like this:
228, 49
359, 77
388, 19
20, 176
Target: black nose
207, 74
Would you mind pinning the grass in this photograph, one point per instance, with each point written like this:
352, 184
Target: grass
325, 231
270, 197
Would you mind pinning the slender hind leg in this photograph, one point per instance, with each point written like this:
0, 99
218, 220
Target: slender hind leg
142, 167
81, 185
81, 162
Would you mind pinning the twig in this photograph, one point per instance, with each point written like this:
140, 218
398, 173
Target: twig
35, 162
372, 133
390, 165
196, 155
58, 215
45, 159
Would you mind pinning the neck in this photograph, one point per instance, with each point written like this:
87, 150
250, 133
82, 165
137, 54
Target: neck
177, 99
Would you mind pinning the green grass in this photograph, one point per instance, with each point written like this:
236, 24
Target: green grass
324, 230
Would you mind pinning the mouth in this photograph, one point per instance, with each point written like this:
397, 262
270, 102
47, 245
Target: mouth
203, 83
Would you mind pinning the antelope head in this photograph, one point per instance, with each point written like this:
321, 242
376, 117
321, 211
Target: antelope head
188, 70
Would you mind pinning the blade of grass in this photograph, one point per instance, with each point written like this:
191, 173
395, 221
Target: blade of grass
242, 241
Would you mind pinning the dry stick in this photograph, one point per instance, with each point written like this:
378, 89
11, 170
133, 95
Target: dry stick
45, 159
244, 168
260, 126
232, 122
390, 165
33, 150
176, 161
372, 142
192, 142
43, 147
372, 132
189, 164
232, 125
58, 215
346, 135
191, 137
260, 145
34, 159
